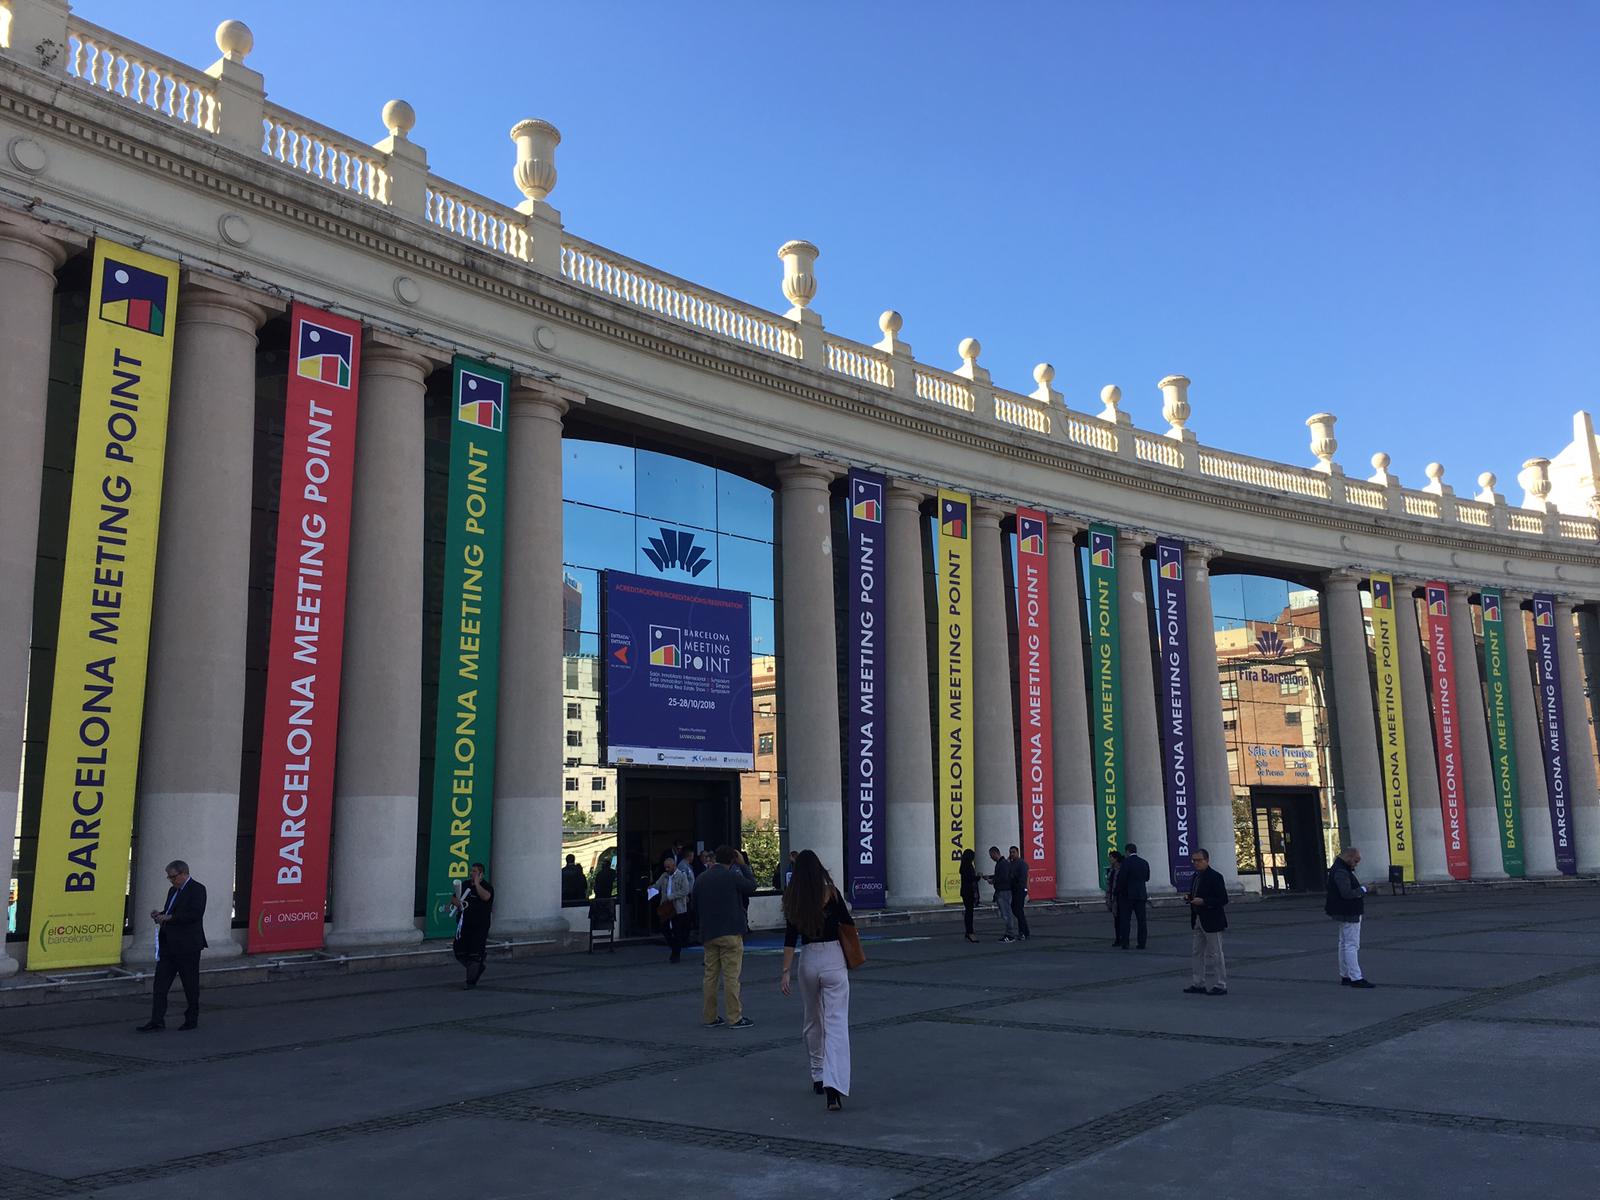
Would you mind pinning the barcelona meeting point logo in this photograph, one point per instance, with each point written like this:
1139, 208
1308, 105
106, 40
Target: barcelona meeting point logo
483, 402
953, 518
1171, 563
1437, 606
664, 646
1382, 597
133, 297
1101, 552
324, 354
866, 501
1030, 536
1491, 608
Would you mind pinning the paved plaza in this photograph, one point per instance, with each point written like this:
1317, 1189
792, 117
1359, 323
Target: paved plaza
1052, 1068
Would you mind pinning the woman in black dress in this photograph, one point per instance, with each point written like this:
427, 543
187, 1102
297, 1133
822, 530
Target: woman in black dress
969, 890
814, 910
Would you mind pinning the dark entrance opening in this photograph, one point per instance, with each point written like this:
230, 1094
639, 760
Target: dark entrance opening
657, 809
1289, 846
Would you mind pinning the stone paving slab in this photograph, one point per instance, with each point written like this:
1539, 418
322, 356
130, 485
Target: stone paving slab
1401, 966
1574, 943
1579, 1000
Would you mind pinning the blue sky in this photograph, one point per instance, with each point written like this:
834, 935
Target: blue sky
1382, 210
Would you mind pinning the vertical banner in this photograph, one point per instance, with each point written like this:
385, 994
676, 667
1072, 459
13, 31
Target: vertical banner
80, 885
1502, 735
300, 722
864, 835
1391, 721
1553, 731
1447, 731
953, 693
1106, 673
469, 641
1033, 703
1177, 717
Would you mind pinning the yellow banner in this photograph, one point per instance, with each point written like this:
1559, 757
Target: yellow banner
1386, 602
954, 690
80, 884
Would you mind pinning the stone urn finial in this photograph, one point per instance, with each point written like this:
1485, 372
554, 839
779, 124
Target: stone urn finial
1486, 482
1175, 404
399, 118
1536, 479
1044, 375
799, 272
890, 323
535, 172
1435, 473
1111, 396
969, 349
1380, 470
235, 40
1323, 444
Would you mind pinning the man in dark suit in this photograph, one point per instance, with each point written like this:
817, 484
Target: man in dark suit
1132, 895
1208, 897
180, 936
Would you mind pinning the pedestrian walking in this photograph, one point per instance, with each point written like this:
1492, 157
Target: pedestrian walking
1019, 891
813, 911
1001, 882
473, 905
574, 883
969, 889
672, 889
1208, 897
1345, 904
180, 936
718, 896
784, 871
1133, 894
1112, 905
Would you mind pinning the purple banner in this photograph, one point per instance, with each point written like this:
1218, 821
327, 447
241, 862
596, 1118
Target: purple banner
863, 670
1177, 717
1553, 732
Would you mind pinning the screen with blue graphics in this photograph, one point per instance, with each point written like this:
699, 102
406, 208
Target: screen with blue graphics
677, 674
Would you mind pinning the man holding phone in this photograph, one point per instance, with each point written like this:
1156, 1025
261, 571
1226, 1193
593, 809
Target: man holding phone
472, 904
180, 936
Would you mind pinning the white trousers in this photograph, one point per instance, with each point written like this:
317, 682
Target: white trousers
825, 991
1350, 949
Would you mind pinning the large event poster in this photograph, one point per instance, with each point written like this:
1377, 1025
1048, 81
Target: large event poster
1553, 732
80, 884
864, 674
1106, 691
1034, 704
1177, 716
1446, 731
677, 674
469, 636
300, 721
1391, 722
953, 690
1502, 734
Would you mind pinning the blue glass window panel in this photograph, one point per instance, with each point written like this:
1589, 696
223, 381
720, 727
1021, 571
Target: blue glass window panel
669, 551
1264, 598
744, 566
744, 507
1227, 597
596, 538
675, 490
586, 583
763, 627
597, 473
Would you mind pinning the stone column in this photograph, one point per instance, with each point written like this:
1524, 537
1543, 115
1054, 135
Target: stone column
913, 880
1585, 810
1145, 787
380, 703
994, 734
810, 681
1360, 773
1538, 845
1472, 733
1422, 763
526, 864
1077, 845
188, 805
29, 256
1213, 788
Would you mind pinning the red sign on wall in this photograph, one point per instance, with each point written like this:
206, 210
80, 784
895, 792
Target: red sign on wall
294, 809
1033, 703
1447, 731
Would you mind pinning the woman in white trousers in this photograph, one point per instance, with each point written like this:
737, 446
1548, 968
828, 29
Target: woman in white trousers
814, 910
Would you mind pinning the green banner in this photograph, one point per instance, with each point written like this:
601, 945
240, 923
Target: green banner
1502, 734
469, 638
1107, 692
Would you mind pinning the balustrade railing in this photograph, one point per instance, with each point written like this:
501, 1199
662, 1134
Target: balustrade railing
475, 218
1012, 409
1366, 495
1581, 528
1255, 472
1092, 432
856, 361
140, 77
1420, 506
1524, 522
941, 388
1471, 512
324, 154
1153, 448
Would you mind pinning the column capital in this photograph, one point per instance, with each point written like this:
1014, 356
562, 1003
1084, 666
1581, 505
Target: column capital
1068, 524
203, 297
1201, 552
1135, 537
24, 239
532, 396
993, 511
1516, 597
1344, 578
905, 494
803, 472
395, 354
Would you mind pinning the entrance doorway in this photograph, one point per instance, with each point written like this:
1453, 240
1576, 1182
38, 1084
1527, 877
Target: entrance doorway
659, 809
1289, 843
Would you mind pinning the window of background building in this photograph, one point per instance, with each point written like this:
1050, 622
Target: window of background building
597, 806
570, 805
574, 711
571, 782
597, 783
574, 737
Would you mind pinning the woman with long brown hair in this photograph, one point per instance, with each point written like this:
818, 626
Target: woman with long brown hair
814, 910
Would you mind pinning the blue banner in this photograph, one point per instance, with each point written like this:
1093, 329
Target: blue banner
677, 674
1177, 717
1553, 732
864, 705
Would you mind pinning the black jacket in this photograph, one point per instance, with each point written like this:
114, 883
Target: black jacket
716, 896
1345, 899
1019, 875
574, 884
1208, 885
1000, 875
1132, 878
186, 932
969, 881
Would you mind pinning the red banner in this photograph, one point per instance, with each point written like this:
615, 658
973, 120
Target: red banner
294, 808
1447, 731
1033, 703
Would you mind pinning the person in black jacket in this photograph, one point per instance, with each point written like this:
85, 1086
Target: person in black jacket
1019, 891
475, 903
180, 936
1345, 904
969, 890
1132, 895
813, 912
1113, 905
1208, 897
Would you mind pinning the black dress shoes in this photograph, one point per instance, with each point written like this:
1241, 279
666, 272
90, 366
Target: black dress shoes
149, 1027
188, 1025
